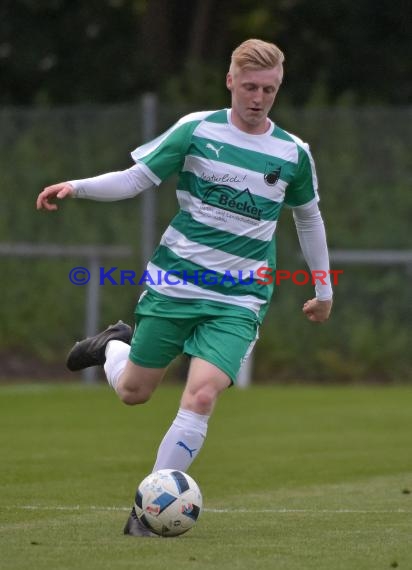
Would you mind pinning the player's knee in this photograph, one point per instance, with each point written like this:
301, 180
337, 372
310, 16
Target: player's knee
202, 400
133, 397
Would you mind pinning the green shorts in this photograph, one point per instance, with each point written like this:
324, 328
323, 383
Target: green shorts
225, 340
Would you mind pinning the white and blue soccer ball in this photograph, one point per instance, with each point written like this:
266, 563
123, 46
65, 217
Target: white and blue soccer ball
168, 502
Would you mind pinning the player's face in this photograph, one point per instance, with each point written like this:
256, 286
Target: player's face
253, 94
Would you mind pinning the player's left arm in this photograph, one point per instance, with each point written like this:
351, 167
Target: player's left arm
302, 196
312, 238
316, 310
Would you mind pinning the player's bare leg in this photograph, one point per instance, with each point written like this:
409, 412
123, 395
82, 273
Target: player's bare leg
204, 384
184, 439
137, 383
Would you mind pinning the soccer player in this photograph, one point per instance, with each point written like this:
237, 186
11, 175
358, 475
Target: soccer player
236, 169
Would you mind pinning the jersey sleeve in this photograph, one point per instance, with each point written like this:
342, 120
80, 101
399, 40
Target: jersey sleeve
164, 155
303, 188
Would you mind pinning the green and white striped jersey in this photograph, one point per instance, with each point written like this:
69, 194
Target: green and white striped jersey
231, 189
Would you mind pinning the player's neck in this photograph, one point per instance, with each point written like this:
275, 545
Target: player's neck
249, 128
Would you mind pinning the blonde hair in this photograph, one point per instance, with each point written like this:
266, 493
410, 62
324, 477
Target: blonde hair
256, 54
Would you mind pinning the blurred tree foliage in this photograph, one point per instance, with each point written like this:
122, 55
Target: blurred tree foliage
68, 51
73, 54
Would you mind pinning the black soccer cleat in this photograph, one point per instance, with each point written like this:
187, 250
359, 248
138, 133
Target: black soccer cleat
91, 350
134, 527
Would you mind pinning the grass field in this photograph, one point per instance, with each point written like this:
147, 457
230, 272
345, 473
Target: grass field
292, 478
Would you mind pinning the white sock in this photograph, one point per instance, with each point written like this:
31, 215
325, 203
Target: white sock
117, 355
182, 442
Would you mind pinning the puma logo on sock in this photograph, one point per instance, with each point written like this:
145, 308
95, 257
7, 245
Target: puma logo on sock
190, 451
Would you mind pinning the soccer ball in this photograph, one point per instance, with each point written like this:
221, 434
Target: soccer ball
168, 502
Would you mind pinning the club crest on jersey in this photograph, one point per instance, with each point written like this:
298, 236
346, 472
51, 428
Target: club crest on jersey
272, 174
239, 201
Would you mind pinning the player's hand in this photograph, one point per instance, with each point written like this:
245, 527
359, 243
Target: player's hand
60, 191
316, 310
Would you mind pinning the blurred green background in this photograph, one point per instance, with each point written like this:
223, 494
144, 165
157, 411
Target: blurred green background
72, 77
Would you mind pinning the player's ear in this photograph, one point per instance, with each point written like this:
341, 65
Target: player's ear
229, 81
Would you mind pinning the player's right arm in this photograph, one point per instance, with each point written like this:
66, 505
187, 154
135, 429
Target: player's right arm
155, 161
107, 187
59, 191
